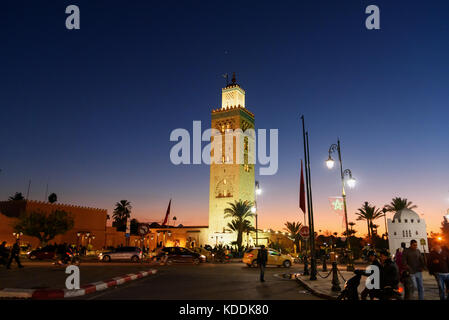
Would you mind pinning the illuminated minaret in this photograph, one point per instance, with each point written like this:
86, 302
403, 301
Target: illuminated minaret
229, 180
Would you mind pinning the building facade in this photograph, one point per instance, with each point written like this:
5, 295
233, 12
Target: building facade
405, 226
232, 175
89, 223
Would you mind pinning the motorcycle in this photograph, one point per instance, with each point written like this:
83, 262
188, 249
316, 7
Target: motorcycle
350, 290
222, 257
69, 258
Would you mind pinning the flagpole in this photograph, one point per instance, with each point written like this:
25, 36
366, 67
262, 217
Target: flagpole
309, 204
313, 270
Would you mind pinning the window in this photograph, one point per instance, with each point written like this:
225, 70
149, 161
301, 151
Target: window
395, 233
411, 221
403, 233
416, 232
399, 220
405, 220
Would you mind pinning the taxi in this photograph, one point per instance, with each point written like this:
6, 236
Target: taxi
275, 258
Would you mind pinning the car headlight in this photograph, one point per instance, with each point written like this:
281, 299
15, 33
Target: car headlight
203, 256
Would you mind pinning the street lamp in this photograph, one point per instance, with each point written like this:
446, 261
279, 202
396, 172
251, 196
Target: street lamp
254, 209
384, 210
351, 183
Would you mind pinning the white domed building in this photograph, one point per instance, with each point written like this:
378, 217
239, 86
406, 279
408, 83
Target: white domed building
406, 226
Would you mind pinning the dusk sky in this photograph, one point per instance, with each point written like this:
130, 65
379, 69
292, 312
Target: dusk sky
90, 111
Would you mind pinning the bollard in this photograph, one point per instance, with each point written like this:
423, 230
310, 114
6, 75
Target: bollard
306, 266
335, 281
324, 263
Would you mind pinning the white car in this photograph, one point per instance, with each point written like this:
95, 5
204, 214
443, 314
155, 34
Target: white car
133, 254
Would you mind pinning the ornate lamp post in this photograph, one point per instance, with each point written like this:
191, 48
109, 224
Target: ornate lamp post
351, 183
254, 209
384, 210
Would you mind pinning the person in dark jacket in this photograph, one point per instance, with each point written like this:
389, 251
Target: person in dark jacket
372, 260
4, 253
262, 258
413, 262
15, 251
389, 273
438, 266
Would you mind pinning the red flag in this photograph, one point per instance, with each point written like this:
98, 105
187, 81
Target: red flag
302, 192
167, 214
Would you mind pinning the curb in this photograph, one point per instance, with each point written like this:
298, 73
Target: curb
39, 294
317, 293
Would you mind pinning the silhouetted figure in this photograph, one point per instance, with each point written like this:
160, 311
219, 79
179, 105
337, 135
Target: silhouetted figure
262, 258
4, 253
15, 251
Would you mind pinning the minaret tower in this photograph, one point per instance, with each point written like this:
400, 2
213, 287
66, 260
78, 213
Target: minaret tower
230, 179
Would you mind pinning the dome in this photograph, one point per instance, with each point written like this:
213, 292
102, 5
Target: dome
406, 214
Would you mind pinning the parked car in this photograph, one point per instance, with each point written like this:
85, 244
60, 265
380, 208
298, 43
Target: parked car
179, 254
47, 252
133, 254
274, 258
204, 252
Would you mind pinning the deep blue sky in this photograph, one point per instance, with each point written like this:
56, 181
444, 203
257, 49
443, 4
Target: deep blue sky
90, 111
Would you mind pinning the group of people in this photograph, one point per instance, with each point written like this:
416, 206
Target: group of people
407, 268
7, 255
412, 263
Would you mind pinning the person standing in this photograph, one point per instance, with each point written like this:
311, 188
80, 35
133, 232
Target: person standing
4, 253
413, 262
438, 266
262, 258
372, 260
389, 274
15, 251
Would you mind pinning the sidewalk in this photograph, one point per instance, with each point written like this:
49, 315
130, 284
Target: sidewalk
322, 287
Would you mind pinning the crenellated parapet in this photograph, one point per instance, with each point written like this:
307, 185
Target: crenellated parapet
63, 206
237, 107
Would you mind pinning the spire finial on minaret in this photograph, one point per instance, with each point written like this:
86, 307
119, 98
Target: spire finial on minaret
233, 78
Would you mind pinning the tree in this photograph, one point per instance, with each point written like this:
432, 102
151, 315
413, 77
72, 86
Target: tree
240, 211
52, 198
445, 229
44, 227
293, 229
369, 214
134, 227
398, 204
121, 213
17, 197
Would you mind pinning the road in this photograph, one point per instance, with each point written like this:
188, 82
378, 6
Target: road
231, 281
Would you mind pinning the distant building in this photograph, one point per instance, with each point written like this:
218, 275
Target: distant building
406, 226
89, 223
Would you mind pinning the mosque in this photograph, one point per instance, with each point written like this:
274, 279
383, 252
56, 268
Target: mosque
405, 226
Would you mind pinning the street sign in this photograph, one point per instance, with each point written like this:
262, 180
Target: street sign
143, 229
304, 232
423, 242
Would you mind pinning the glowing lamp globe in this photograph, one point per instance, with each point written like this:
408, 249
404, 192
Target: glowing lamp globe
330, 163
253, 209
351, 183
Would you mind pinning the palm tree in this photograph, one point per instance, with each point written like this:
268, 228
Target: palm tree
52, 198
398, 204
122, 212
369, 214
240, 211
17, 197
293, 228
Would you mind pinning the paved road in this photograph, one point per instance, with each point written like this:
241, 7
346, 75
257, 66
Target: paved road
208, 281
